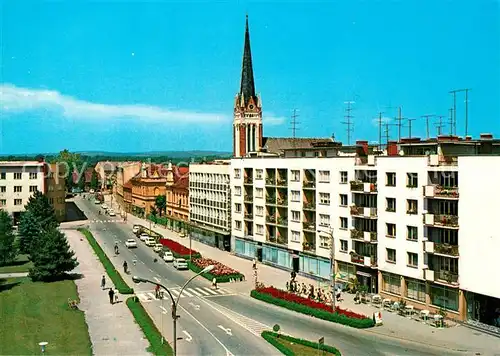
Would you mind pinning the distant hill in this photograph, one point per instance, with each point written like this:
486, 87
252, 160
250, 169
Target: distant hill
170, 154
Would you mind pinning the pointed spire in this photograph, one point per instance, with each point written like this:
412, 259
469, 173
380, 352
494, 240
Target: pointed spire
247, 89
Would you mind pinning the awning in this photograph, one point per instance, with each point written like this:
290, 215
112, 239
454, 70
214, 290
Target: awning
364, 274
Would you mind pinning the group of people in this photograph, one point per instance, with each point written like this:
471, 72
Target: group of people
112, 293
319, 294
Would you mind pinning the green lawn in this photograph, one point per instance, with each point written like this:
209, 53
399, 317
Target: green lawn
21, 264
302, 350
33, 312
291, 346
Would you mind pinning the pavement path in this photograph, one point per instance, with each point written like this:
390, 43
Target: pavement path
112, 328
14, 275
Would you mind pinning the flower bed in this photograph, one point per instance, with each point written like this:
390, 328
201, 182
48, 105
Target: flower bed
178, 250
306, 306
281, 341
221, 272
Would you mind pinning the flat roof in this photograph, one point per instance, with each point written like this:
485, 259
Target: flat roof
21, 163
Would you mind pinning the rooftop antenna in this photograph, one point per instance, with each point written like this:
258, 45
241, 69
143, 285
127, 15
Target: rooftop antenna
380, 131
348, 121
453, 118
409, 126
450, 120
454, 92
427, 117
440, 125
387, 132
399, 119
294, 126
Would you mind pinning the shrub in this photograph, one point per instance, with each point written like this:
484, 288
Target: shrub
341, 318
272, 336
210, 276
148, 328
178, 250
113, 274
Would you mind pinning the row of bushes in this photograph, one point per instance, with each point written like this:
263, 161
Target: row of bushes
113, 274
149, 329
272, 337
317, 313
210, 276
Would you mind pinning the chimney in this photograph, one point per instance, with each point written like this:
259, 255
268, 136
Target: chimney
392, 148
362, 147
486, 136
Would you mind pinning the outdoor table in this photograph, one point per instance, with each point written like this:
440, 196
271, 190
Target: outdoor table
424, 315
409, 310
438, 320
395, 306
376, 299
386, 303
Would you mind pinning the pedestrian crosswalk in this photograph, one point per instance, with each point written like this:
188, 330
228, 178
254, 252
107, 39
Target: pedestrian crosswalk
149, 296
95, 221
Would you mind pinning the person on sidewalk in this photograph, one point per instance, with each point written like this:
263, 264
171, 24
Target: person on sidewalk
214, 283
125, 267
111, 294
157, 291
254, 265
103, 282
116, 295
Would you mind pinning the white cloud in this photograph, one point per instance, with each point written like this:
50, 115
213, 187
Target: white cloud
15, 99
273, 120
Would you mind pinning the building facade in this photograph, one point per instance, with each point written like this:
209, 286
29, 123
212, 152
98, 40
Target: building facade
400, 227
177, 194
55, 189
145, 187
210, 203
124, 172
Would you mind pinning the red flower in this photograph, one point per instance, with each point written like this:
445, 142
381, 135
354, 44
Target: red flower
176, 247
219, 268
291, 297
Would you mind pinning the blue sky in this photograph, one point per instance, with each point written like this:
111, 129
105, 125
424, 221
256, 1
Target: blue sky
158, 75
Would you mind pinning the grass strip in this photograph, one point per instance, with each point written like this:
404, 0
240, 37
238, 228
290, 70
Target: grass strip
317, 313
20, 265
113, 274
149, 329
291, 346
210, 276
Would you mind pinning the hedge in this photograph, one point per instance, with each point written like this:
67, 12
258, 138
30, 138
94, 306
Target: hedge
148, 328
271, 337
113, 274
317, 313
210, 276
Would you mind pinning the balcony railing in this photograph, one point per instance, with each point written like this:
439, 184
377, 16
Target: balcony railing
445, 249
446, 192
355, 258
308, 246
309, 206
446, 220
368, 261
248, 198
357, 186
367, 236
365, 187
309, 225
271, 180
271, 219
277, 239
443, 275
282, 201
249, 216
281, 182
271, 200
363, 211
357, 234
309, 184
282, 220
248, 180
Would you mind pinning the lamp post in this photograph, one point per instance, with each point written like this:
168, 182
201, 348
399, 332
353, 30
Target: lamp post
332, 262
175, 302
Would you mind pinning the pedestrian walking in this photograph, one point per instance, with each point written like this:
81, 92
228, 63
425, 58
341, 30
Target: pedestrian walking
111, 294
214, 283
103, 282
157, 291
116, 295
254, 266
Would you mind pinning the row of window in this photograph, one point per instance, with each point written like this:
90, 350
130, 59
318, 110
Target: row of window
411, 257
18, 175
18, 188
17, 202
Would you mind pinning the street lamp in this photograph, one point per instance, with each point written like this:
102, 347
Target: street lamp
332, 262
175, 302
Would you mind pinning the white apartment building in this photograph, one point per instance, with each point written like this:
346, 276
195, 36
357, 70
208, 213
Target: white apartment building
18, 181
210, 203
395, 219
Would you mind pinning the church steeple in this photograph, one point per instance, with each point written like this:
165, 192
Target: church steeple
247, 89
247, 124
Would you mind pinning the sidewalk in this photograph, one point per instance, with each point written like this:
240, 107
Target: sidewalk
112, 328
457, 336
14, 275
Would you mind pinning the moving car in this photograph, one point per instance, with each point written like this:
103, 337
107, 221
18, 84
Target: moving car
180, 263
168, 256
130, 243
111, 212
151, 241
136, 229
157, 247
144, 236
97, 202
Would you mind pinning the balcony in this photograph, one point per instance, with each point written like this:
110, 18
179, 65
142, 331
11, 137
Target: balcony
367, 261
438, 191
366, 236
282, 220
248, 216
437, 160
282, 201
309, 206
309, 185
271, 180
441, 220
308, 246
271, 219
281, 183
441, 249
309, 226
248, 198
363, 211
357, 186
277, 239
248, 180
442, 276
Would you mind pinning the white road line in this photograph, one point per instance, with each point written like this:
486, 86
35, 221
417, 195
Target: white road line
210, 291
165, 311
219, 291
175, 292
185, 292
150, 270
192, 290
157, 279
142, 297
201, 291
151, 296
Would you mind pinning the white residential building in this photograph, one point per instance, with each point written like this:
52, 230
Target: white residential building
394, 216
18, 181
210, 203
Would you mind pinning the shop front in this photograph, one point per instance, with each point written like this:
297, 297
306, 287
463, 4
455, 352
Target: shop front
245, 248
368, 278
211, 237
483, 309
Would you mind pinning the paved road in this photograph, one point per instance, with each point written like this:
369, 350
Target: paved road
206, 319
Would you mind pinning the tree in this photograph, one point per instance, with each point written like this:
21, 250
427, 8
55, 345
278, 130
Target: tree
54, 258
29, 232
39, 205
161, 203
94, 181
7, 247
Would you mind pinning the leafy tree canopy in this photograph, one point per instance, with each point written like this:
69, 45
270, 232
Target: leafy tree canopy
8, 249
161, 203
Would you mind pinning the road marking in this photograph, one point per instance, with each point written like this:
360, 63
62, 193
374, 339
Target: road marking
189, 338
196, 306
210, 291
226, 330
175, 292
201, 291
157, 279
185, 292
142, 297
151, 296
165, 311
192, 290
150, 270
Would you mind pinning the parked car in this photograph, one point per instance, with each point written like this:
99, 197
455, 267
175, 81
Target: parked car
157, 247
151, 241
182, 234
104, 206
97, 202
136, 229
180, 263
111, 212
130, 243
144, 236
168, 256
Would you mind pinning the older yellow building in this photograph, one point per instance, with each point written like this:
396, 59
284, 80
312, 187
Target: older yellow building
144, 188
177, 187
55, 188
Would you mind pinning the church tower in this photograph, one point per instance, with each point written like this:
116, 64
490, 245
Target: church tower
247, 123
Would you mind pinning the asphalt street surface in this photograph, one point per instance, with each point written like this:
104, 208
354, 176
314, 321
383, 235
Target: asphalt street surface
224, 322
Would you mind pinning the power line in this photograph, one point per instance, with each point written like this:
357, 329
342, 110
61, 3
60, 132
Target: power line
348, 121
427, 117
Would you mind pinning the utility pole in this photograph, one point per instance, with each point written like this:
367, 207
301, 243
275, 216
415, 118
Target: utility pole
427, 123
380, 131
440, 125
409, 126
348, 121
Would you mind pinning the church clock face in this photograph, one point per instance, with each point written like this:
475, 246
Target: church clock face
251, 107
